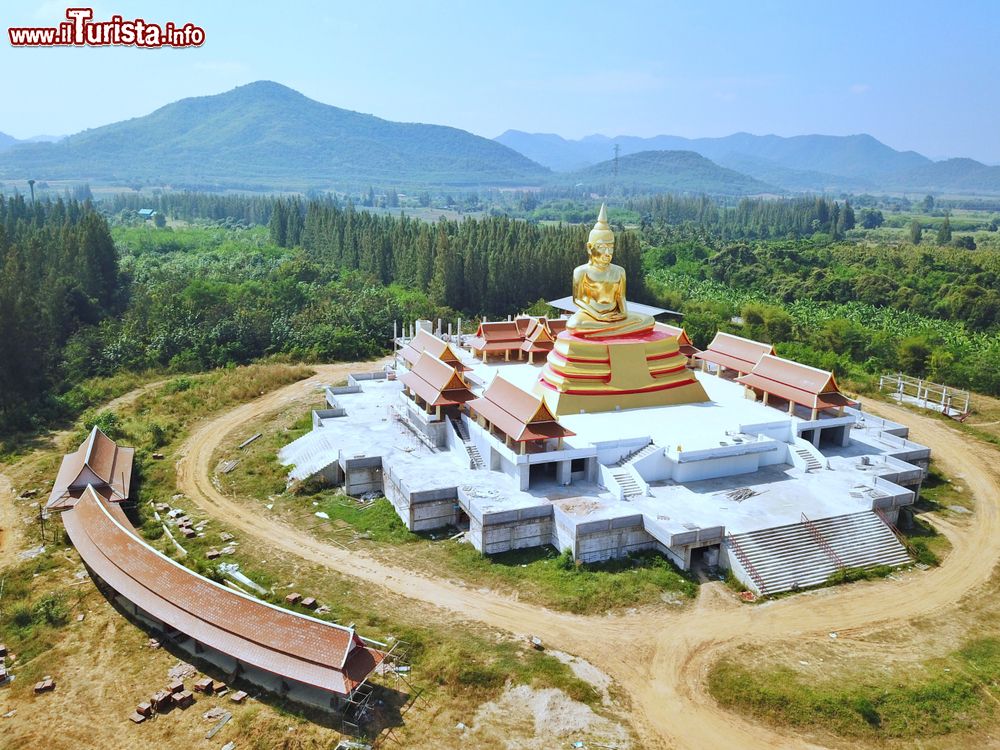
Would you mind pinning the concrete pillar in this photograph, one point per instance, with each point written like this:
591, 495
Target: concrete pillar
531, 358
766, 394
563, 475
523, 476
816, 436
791, 408
845, 440
815, 414
437, 411
506, 355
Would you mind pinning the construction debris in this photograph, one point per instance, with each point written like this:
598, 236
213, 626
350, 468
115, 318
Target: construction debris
204, 685
46, 685
162, 701
175, 686
238, 697
228, 466
145, 708
742, 493
293, 598
184, 699
137, 717
154, 643
247, 442
226, 716
182, 671
309, 603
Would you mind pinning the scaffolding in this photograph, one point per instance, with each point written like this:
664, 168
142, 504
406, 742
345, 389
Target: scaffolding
952, 402
358, 716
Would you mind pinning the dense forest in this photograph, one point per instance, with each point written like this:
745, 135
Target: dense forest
492, 266
58, 275
88, 291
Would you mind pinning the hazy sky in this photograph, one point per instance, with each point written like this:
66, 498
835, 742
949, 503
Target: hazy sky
917, 75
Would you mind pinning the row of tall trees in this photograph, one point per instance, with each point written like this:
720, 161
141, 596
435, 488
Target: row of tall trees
492, 266
58, 274
751, 218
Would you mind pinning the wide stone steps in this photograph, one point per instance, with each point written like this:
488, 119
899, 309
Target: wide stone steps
787, 557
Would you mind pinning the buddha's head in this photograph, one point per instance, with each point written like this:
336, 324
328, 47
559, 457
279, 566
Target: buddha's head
601, 243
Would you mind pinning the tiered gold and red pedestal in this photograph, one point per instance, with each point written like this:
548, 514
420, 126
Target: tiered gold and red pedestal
596, 374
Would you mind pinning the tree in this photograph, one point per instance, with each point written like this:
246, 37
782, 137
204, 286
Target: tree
928, 204
848, 221
872, 218
944, 232
965, 242
916, 232
159, 219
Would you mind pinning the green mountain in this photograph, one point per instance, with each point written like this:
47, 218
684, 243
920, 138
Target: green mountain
7, 141
800, 163
664, 171
267, 136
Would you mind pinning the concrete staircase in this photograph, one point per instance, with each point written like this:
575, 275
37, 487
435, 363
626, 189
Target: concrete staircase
631, 458
626, 480
808, 458
475, 459
805, 554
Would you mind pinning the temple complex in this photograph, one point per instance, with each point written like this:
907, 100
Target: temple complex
606, 432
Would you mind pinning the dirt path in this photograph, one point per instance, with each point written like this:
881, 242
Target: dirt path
8, 523
659, 659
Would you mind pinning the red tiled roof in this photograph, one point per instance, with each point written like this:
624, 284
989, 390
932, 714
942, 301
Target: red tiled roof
428, 342
98, 461
437, 383
297, 647
794, 381
734, 352
497, 336
521, 415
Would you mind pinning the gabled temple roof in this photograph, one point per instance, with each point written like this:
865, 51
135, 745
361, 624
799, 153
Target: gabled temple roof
425, 341
794, 381
521, 415
437, 383
684, 343
100, 462
538, 337
734, 352
293, 646
497, 336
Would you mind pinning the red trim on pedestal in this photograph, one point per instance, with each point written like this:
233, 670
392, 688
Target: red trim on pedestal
650, 389
561, 374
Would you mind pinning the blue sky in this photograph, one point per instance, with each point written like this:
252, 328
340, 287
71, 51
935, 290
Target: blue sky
917, 75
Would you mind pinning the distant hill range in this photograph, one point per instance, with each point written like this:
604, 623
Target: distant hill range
664, 171
854, 163
9, 141
267, 136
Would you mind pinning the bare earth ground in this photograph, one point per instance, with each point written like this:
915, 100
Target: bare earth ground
658, 658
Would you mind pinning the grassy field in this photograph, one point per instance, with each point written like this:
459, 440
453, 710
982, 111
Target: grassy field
540, 575
956, 692
102, 661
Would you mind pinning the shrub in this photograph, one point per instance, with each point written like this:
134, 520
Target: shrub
53, 610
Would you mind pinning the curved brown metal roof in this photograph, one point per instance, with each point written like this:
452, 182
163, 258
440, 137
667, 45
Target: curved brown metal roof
294, 646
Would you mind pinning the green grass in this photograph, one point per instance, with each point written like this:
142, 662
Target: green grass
544, 576
936, 697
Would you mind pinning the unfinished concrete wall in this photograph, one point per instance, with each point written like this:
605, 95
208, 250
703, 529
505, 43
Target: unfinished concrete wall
362, 475
597, 541
433, 509
692, 471
504, 531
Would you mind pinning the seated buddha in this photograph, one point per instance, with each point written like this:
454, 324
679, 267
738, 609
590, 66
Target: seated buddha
599, 290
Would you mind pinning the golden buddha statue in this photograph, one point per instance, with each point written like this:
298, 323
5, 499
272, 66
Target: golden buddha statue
599, 290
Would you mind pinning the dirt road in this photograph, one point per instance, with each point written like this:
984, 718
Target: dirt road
659, 659
8, 523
